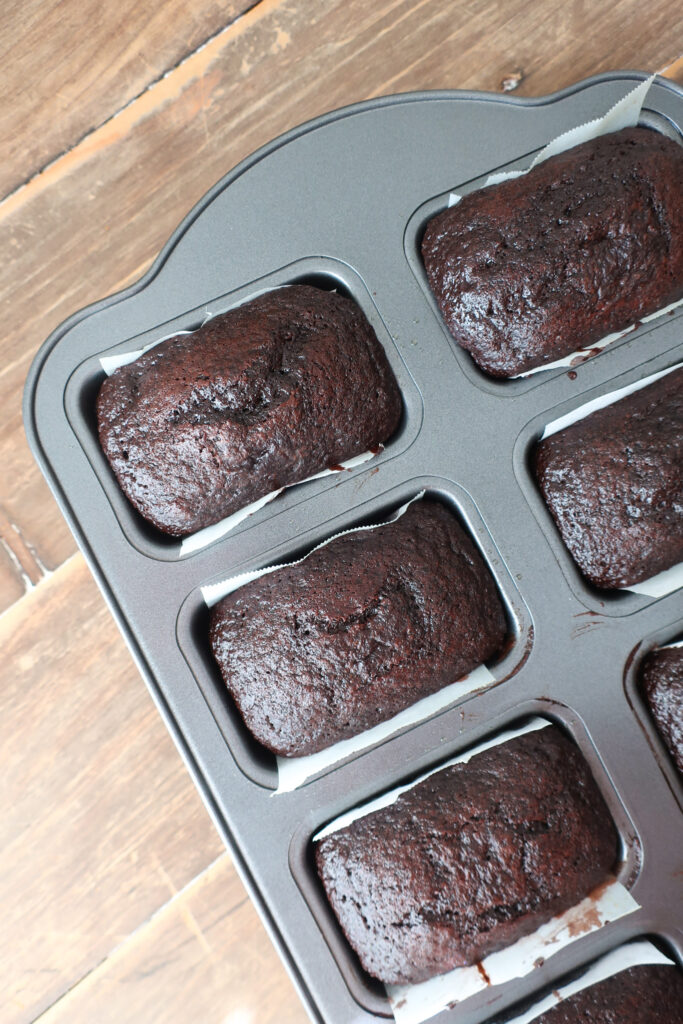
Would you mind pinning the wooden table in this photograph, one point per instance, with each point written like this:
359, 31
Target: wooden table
118, 902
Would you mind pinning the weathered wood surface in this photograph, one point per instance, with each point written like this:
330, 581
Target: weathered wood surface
66, 67
202, 957
117, 901
99, 822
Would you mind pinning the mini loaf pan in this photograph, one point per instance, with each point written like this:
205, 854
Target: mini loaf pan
574, 653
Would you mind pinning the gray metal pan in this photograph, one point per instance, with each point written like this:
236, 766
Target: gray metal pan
341, 202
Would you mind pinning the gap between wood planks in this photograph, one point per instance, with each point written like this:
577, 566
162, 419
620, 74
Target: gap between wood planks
165, 87
21, 554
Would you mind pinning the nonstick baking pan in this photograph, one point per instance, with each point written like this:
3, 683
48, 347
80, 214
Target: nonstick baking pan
341, 202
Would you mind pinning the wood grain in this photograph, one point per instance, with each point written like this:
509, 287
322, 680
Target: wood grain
203, 957
99, 822
93, 221
66, 68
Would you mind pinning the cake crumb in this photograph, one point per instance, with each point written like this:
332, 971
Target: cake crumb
482, 971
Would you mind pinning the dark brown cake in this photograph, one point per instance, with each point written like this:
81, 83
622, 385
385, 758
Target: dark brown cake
647, 994
613, 484
260, 397
663, 689
585, 244
469, 860
358, 631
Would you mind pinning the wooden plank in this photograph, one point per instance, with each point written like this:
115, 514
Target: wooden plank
20, 567
98, 216
23, 556
99, 822
204, 957
30, 509
64, 69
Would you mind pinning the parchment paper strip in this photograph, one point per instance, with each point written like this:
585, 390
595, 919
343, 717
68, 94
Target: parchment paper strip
209, 534
386, 799
412, 1004
294, 771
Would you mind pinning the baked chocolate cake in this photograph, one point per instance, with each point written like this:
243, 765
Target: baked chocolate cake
613, 484
358, 631
263, 396
470, 859
585, 244
647, 994
663, 689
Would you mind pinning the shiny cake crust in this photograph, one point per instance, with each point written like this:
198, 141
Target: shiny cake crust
646, 994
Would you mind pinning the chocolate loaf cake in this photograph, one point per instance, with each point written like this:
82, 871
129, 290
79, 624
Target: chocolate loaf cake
646, 994
263, 396
663, 689
358, 631
469, 860
585, 244
612, 482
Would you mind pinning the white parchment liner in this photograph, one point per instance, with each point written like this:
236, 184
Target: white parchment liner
412, 1004
635, 954
671, 579
294, 771
209, 534
200, 539
624, 114
111, 363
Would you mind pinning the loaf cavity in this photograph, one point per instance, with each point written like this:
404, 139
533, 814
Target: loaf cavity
663, 689
470, 859
586, 243
361, 629
612, 482
258, 398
